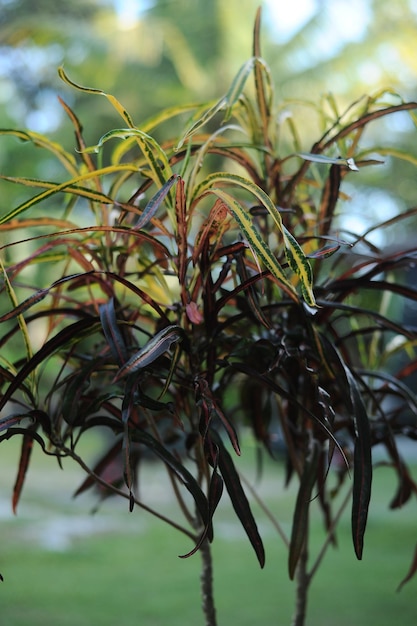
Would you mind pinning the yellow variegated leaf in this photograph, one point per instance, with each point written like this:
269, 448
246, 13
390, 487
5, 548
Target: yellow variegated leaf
96, 196
295, 256
201, 121
116, 104
67, 159
154, 155
69, 184
226, 102
254, 238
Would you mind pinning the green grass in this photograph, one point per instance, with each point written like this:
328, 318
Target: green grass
134, 576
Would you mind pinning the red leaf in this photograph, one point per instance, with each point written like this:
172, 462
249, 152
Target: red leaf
27, 446
193, 313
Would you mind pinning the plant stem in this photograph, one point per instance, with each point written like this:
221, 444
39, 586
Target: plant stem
207, 592
303, 582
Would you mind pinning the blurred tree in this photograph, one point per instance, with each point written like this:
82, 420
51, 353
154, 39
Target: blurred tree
166, 52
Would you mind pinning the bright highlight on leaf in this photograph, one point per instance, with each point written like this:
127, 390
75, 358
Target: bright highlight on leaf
320, 158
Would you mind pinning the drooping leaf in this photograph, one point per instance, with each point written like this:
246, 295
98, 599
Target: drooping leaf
238, 498
11, 420
72, 184
178, 468
214, 497
301, 511
70, 333
112, 331
362, 462
91, 90
362, 467
25, 454
155, 157
76, 190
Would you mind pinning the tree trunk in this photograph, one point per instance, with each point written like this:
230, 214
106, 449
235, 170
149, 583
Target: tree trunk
302, 582
207, 592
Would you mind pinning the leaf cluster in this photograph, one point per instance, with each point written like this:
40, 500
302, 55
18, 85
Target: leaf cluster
176, 291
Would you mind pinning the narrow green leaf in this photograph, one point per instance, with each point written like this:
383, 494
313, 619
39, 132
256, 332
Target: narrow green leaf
83, 192
201, 121
301, 266
66, 158
237, 86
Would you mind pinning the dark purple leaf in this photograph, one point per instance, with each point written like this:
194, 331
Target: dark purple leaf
362, 467
74, 331
179, 470
209, 409
362, 462
156, 347
238, 498
25, 305
155, 202
300, 519
214, 496
112, 331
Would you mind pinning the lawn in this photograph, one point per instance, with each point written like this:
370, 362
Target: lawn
62, 565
